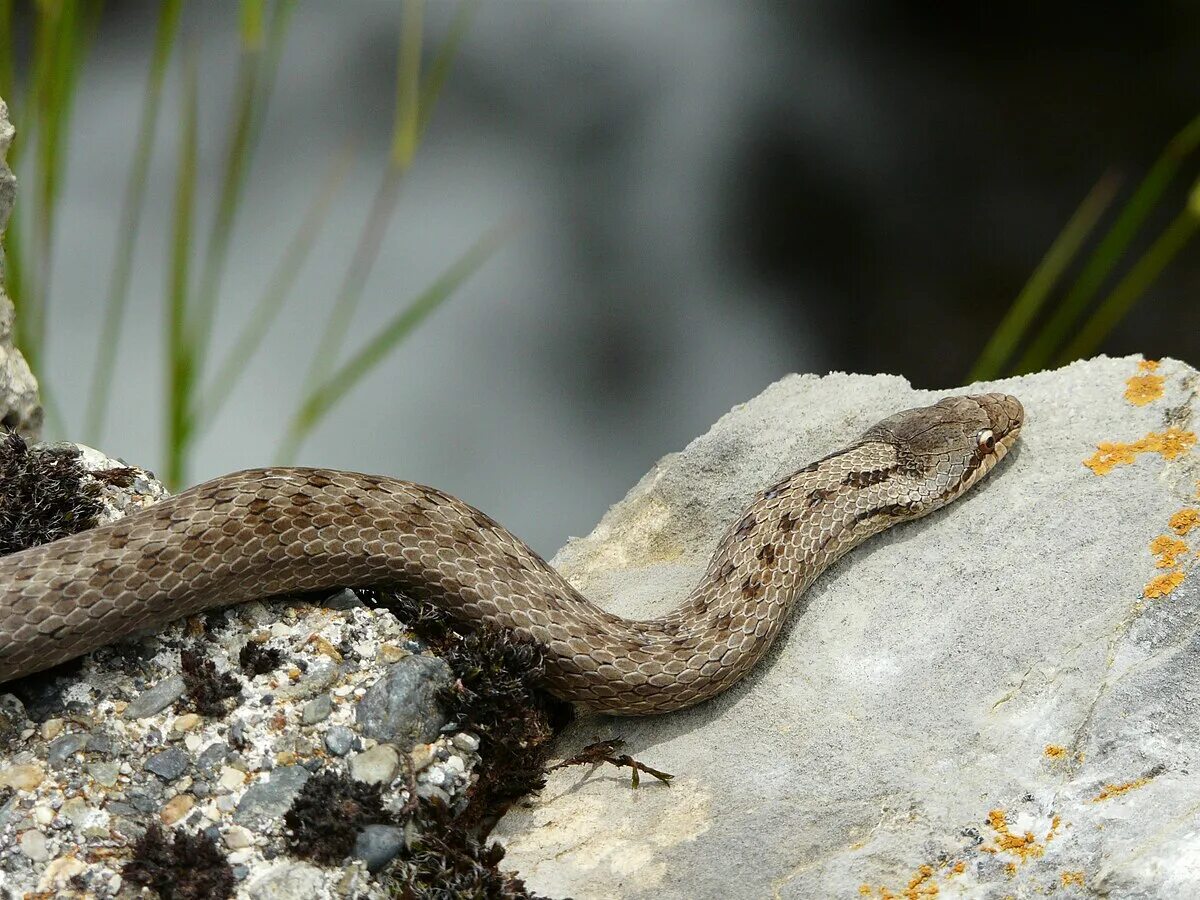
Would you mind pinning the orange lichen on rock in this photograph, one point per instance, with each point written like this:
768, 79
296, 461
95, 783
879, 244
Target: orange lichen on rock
1024, 846
1054, 751
1184, 521
1170, 444
1116, 790
923, 883
1162, 585
1146, 387
1167, 551
1069, 878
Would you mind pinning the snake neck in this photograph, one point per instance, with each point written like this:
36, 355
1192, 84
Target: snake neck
767, 558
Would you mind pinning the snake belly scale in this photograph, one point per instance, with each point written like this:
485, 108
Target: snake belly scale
266, 532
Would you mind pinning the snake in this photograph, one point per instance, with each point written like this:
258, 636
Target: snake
276, 531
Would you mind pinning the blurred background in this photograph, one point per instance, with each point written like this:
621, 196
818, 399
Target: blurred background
563, 238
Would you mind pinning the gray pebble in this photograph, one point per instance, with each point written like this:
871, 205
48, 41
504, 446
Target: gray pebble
317, 710
12, 717
104, 772
63, 748
466, 741
377, 845
213, 756
340, 740
376, 766
169, 764
156, 699
266, 801
402, 706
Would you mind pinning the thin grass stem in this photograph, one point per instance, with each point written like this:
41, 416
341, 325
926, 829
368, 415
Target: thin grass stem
272, 301
1110, 249
1023, 310
1120, 301
180, 362
131, 217
318, 403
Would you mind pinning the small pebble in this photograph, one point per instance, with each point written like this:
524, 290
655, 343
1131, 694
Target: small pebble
340, 740
316, 710
376, 766
33, 845
464, 740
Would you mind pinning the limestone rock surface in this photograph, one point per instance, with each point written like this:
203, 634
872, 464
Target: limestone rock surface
20, 408
999, 700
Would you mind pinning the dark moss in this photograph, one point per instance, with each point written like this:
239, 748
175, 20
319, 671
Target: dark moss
206, 689
499, 695
444, 861
45, 494
259, 659
326, 816
180, 866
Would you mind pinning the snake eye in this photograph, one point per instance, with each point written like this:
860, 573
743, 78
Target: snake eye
987, 440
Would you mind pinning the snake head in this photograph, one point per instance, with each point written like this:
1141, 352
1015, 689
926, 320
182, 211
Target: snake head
942, 450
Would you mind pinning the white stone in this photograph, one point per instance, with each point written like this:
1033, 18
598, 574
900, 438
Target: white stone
911, 711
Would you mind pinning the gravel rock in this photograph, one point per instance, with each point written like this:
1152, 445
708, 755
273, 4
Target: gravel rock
377, 845
340, 740
402, 707
169, 764
316, 710
377, 765
156, 699
64, 748
268, 800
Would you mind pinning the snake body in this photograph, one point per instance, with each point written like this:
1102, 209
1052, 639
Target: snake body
265, 532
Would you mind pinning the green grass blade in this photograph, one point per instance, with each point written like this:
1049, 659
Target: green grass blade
131, 216
414, 106
318, 403
255, 82
408, 86
69, 25
1111, 248
228, 200
439, 69
370, 239
180, 363
1143, 274
1010, 330
272, 301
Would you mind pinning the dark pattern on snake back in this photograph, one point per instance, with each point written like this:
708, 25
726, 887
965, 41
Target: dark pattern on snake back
265, 532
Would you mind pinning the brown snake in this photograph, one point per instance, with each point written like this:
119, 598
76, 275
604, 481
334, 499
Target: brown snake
264, 532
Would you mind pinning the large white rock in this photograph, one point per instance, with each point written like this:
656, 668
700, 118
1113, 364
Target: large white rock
982, 703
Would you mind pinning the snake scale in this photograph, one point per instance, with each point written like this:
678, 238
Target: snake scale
265, 532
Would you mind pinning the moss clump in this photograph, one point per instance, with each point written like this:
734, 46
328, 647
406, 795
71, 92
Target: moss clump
181, 866
259, 659
206, 689
45, 494
326, 816
445, 862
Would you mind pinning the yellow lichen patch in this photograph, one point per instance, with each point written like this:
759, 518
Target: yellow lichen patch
1170, 444
923, 883
1054, 751
1146, 387
1184, 521
1023, 846
1162, 585
1116, 790
1072, 877
1167, 551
